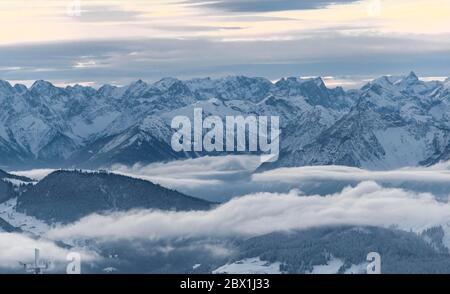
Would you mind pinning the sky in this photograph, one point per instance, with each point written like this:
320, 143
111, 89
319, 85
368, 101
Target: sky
348, 42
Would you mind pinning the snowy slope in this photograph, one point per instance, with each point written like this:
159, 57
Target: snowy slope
249, 266
20, 220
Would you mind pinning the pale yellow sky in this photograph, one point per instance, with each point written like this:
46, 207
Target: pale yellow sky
117, 41
51, 20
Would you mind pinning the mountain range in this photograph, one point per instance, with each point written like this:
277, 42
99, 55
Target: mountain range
389, 123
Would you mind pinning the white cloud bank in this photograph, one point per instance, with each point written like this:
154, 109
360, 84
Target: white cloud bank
222, 177
35, 174
366, 204
198, 171
439, 173
213, 178
219, 178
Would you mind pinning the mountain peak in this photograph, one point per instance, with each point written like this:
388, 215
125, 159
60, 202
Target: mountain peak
383, 82
166, 82
139, 83
295, 81
106, 89
136, 88
412, 74
411, 77
319, 82
19, 88
41, 85
286, 82
447, 83
5, 86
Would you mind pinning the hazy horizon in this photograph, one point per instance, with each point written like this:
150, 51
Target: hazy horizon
346, 82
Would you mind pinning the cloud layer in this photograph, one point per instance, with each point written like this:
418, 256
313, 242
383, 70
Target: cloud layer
35, 174
266, 5
436, 174
366, 204
122, 61
211, 178
223, 177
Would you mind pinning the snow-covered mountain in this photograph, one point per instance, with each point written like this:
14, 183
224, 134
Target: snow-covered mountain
395, 122
46, 125
390, 122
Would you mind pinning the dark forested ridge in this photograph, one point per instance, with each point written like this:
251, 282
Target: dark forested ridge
7, 189
401, 251
66, 196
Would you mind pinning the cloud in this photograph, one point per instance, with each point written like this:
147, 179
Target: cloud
303, 53
366, 203
219, 178
436, 174
35, 174
266, 5
204, 169
15, 248
223, 177
262, 213
106, 13
212, 178
198, 28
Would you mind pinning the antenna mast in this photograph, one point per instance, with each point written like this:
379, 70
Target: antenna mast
38, 267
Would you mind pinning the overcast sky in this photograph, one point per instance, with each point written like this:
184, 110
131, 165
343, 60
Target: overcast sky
113, 41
